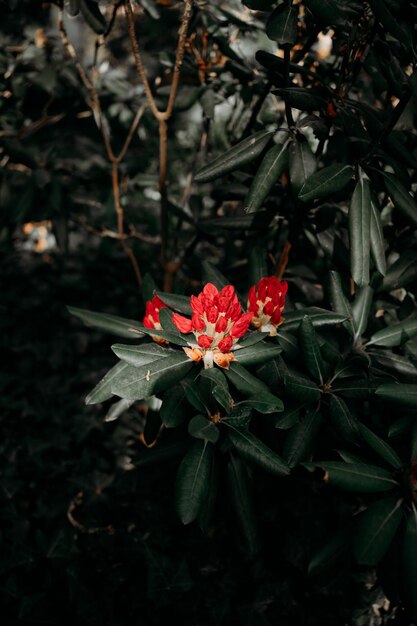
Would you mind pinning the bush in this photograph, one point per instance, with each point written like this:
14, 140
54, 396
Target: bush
252, 172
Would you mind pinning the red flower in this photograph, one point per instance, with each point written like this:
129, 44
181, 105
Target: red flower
217, 323
266, 302
151, 319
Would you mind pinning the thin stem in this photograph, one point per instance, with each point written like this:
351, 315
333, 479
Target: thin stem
288, 111
163, 187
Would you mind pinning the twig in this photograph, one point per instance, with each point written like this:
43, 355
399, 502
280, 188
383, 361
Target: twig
288, 111
73, 506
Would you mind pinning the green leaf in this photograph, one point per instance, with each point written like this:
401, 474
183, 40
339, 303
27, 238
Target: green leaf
219, 387
259, 5
138, 355
339, 301
117, 409
172, 337
318, 317
93, 17
192, 481
330, 12
176, 302
301, 439
302, 163
212, 275
193, 395
255, 451
409, 563
360, 232
235, 158
401, 394
377, 237
282, 24
394, 335
302, 389
401, 198
289, 417
174, 407
262, 402
301, 97
201, 427
119, 326
273, 164
334, 551
389, 21
136, 383
356, 387
257, 265
257, 353
242, 499
248, 384
103, 390
311, 350
361, 307
395, 364
343, 421
325, 182
402, 272
358, 477
375, 530
251, 338
381, 447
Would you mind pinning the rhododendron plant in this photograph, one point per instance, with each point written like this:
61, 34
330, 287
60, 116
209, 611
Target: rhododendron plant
217, 324
266, 302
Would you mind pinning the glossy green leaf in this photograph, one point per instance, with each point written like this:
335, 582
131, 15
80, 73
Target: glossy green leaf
402, 199
212, 275
300, 440
103, 390
235, 158
257, 353
201, 427
302, 163
325, 182
289, 417
377, 237
117, 409
257, 265
136, 383
301, 98
311, 350
402, 272
375, 530
219, 387
251, 386
178, 303
396, 364
302, 389
361, 307
138, 355
332, 553
318, 317
401, 394
172, 337
409, 563
339, 301
192, 481
174, 408
273, 164
113, 324
192, 393
93, 16
394, 335
355, 387
329, 12
262, 402
342, 419
282, 24
258, 5
243, 501
255, 451
360, 232
252, 337
381, 447
358, 477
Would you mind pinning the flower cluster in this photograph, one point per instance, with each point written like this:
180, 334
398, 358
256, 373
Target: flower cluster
266, 302
218, 321
151, 319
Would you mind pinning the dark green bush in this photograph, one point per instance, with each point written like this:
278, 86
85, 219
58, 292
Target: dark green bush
247, 169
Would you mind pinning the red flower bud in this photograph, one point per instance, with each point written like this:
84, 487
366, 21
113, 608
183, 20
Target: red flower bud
183, 324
